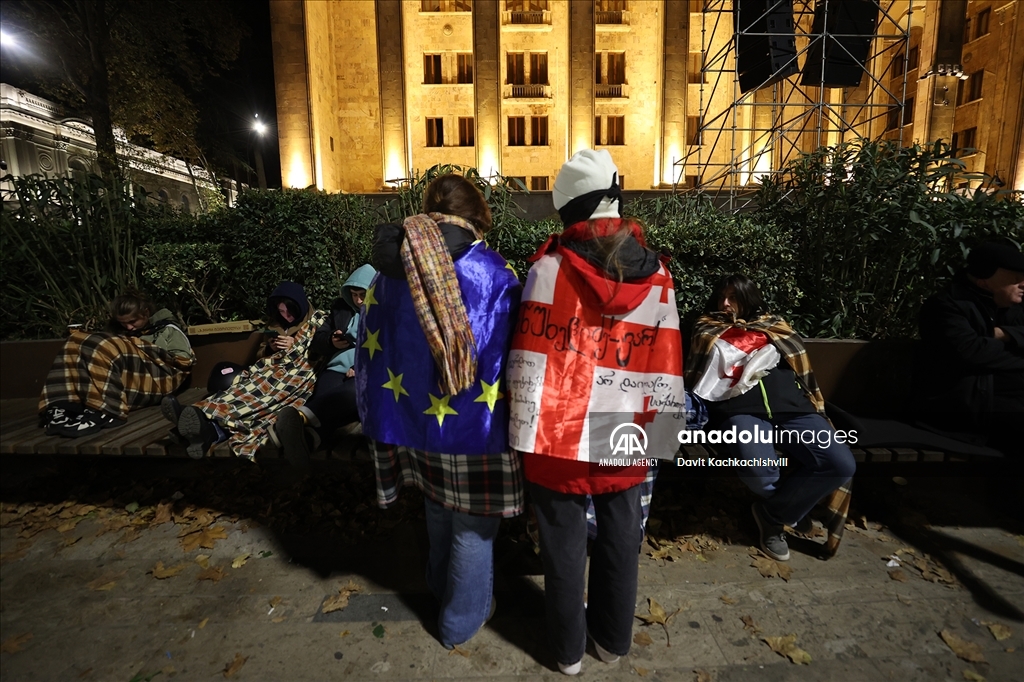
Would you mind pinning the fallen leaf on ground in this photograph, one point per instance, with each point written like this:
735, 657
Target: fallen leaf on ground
160, 573
786, 646
379, 631
701, 675
344, 633
279, 619
214, 573
903, 600
998, 630
104, 583
234, 666
768, 567
972, 676
728, 600
658, 615
642, 639
204, 538
203, 622
163, 513
749, 624
968, 651
642, 672
12, 645
898, 575
457, 650
340, 600
203, 560
240, 560
274, 601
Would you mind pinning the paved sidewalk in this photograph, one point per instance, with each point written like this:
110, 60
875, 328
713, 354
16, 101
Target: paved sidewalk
252, 569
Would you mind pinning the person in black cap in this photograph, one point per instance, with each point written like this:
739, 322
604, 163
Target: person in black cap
971, 371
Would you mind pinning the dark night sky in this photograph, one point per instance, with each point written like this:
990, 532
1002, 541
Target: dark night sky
229, 105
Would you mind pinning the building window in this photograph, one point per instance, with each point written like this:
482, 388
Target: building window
539, 183
464, 66
694, 68
446, 5
612, 76
970, 89
526, 11
908, 111
539, 131
435, 132
610, 11
517, 182
466, 131
614, 130
515, 68
913, 58
965, 141
538, 68
693, 132
165, 198
621, 179
981, 23
967, 30
186, 205
900, 116
516, 131
432, 69
597, 131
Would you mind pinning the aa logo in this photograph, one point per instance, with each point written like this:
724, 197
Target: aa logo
626, 440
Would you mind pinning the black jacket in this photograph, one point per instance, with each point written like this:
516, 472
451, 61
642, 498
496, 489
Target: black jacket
963, 371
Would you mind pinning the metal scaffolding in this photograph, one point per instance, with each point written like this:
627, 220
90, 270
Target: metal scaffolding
741, 137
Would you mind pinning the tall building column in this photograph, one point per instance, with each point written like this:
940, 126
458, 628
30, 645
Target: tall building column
487, 85
394, 136
582, 42
676, 46
291, 87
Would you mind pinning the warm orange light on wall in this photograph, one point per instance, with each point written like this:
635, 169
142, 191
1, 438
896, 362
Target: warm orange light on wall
298, 174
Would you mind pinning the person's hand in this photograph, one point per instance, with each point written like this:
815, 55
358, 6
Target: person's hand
351, 372
999, 334
282, 342
339, 341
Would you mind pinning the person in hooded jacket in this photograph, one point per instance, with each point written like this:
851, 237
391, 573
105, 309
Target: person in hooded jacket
98, 377
302, 430
597, 343
283, 376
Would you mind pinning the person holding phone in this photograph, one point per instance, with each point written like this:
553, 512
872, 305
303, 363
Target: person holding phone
301, 430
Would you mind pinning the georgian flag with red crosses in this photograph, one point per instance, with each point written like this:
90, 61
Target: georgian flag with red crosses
738, 359
574, 374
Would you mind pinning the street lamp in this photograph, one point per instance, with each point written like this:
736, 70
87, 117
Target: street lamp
260, 128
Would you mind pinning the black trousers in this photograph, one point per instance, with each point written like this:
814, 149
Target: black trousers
611, 591
334, 404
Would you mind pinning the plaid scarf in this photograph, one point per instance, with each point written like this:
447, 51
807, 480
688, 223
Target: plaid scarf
438, 300
710, 327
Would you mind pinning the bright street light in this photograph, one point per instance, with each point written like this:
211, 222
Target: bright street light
258, 125
7, 40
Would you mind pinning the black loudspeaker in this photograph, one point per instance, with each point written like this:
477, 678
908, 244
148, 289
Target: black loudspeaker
765, 43
840, 41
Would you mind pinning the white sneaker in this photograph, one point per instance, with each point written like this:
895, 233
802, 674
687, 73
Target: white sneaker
571, 668
602, 653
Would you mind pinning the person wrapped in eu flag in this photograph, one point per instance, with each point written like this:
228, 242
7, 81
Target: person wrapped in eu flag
430, 371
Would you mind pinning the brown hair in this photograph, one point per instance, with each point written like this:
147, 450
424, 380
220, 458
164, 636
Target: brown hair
131, 303
748, 297
455, 195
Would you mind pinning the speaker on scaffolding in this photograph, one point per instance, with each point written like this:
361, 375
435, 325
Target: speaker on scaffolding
765, 42
841, 36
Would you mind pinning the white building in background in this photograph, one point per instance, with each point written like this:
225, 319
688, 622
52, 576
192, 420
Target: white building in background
36, 138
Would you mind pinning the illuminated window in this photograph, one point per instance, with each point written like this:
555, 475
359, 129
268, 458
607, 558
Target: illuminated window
610, 11
446, 6
981, 23
539, 131
516, 131
612, 76
435, 132
526, 11
465, 131
615, 130
432, 69
515, 68
538, 68
464, 65
965, 141
517, 182
970, 89
539, 183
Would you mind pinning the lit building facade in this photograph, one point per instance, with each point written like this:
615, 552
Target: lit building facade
369, 92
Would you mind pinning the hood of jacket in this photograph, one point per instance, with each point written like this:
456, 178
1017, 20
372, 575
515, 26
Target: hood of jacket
296, 293
360, 279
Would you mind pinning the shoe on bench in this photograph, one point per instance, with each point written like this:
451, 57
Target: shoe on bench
289, 431
771, 536
199, 430
89, 423
171, 409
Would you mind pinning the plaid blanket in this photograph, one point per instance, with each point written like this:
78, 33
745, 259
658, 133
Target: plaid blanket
489, 485
111, 373
285, 379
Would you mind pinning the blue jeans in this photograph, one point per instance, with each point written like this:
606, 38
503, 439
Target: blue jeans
460, 569
824, 467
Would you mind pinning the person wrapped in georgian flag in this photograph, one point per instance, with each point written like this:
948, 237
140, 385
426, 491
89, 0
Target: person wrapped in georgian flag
596, 352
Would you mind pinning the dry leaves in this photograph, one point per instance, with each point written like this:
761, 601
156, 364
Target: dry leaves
898, 575
239, 560
213, 573
104, 583
203, 622
340, 600
972, 676
786, 646
459, 651
642, 672
658, 615
750, 625
12, 645
203, 560
728, 600
998, 630
160, 573
701, 675
234, 666
642, 639
205, 538
768, 567
968, 651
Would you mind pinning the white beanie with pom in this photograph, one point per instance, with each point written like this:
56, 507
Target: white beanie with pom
588, 170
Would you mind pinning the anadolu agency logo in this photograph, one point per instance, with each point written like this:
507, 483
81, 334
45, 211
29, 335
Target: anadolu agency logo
628, 440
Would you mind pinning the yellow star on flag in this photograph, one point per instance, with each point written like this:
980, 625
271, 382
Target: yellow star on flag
395, 384
369, 300
371, 343
508, 266
489, 393
439, 408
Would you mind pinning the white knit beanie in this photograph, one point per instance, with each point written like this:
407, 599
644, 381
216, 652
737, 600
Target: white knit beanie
587, 171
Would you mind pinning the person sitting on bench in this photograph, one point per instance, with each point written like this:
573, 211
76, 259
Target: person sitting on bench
753, 371
98, 377
970, 373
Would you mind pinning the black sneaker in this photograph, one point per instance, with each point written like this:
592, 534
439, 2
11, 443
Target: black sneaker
200, 432
58, 414
772, 537
171, 409
290, 429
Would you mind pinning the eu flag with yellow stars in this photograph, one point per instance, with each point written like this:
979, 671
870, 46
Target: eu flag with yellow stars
399, 395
